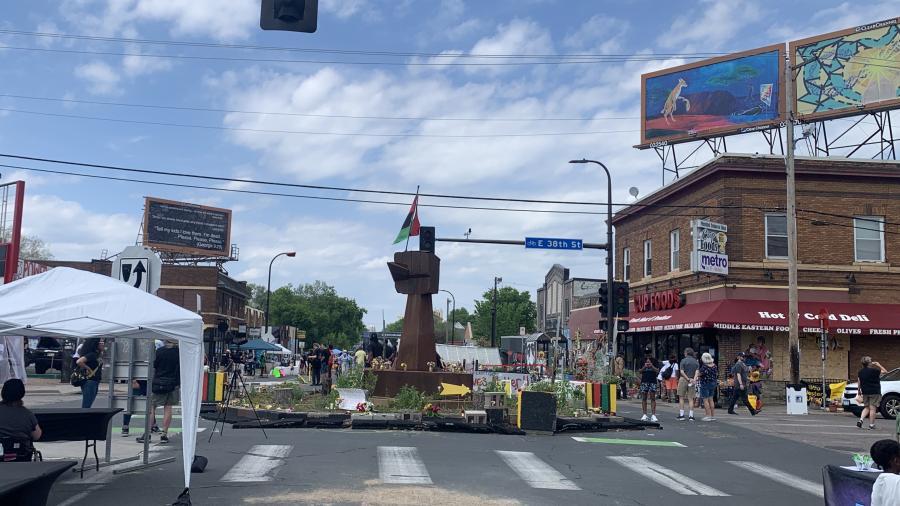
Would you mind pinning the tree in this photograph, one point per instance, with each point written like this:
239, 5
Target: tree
317, 308
514, 309
440, 327
34, 248
257, 296
396, 326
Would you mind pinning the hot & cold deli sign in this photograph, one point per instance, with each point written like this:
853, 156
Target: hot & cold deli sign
708, 254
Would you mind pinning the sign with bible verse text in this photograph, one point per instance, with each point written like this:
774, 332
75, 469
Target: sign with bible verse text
181, 227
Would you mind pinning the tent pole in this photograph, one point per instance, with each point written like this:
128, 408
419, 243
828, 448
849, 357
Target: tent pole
111, 396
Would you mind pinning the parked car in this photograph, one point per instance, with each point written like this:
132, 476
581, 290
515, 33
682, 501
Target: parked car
45, 353
890, 396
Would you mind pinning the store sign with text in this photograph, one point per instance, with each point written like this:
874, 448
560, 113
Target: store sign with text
708, 254
658, 301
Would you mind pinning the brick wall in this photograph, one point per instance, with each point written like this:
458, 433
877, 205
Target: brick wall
882, 349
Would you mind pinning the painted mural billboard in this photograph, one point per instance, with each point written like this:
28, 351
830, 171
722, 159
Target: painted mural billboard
847, 72
731, 94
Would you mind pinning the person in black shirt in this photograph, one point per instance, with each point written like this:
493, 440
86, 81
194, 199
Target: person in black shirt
648, 389
166, 380
17, 421
315, 363
90, 360
869, 384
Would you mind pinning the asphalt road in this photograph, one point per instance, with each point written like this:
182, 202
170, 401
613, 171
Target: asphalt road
685, 463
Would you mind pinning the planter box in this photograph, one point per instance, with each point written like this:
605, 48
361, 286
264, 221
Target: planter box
374, 416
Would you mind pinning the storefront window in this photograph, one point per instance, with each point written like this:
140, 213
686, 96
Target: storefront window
776, 236
868, 234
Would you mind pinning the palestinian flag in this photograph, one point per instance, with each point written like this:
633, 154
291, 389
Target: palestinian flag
410, 224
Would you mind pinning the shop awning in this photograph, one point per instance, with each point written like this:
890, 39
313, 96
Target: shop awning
767, 315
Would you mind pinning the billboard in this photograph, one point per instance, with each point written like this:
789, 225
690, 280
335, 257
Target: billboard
845, 72
731, 94
181, 227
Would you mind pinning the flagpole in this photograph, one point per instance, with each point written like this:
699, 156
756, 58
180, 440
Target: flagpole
416, 213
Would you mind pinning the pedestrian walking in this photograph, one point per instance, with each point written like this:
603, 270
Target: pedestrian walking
668, 378
708, 378
165, 386
90, 360
316, 364
687, 372
360, 357
741, 382
648, 389
138, 389
886, 490
869, 384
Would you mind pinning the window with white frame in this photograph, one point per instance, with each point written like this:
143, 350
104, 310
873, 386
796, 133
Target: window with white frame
674, 249
776, 236
868, 238
648, 259
626, 264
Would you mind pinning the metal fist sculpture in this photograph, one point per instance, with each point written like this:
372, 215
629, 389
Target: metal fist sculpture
416, 274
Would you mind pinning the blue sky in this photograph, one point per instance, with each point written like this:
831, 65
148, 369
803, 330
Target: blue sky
347, 244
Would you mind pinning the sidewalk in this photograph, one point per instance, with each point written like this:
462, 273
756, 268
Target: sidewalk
832, 431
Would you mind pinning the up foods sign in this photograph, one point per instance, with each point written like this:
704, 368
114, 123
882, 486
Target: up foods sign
709, 240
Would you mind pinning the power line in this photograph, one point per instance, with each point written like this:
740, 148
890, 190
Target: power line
306, 115
636, 58
96, 38
363, 190
303, 132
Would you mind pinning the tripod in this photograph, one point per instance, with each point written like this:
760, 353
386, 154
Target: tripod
229, 391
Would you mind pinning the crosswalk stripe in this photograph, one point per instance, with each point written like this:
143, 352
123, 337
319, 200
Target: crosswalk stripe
667, 477
401, 465
258, 463
782, 477
536, 472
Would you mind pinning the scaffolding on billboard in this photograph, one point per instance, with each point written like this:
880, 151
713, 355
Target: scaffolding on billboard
852, 140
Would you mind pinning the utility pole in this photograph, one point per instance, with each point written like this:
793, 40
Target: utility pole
447, 332
494, 313
791, 218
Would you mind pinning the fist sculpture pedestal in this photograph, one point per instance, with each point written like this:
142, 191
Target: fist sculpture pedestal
416, 274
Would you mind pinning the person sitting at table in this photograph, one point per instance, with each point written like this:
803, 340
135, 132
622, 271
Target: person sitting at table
886, 491
16, 421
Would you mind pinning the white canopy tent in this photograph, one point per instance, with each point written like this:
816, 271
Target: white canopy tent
282, 350
70, 303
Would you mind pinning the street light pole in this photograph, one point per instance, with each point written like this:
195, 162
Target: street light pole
452, 316
269, 285
610, 252
494, 313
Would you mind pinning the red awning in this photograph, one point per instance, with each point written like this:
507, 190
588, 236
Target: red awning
766, 315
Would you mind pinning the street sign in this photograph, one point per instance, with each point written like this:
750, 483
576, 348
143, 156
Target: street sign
553, 243
140, 267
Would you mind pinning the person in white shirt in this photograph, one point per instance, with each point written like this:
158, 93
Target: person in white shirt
668, 378
886, 491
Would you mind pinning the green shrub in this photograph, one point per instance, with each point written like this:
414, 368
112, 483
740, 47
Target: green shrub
357, 378
408, 398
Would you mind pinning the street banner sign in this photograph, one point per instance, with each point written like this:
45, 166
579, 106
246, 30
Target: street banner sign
553, 243
708, 254
140, 267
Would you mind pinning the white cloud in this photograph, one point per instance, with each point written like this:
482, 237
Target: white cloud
710, 25
601, 34
102, 79
344, 8
73, 232
844, 15
216, 19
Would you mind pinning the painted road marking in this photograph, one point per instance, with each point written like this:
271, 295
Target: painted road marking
536, 472
782, 477
80, 495
258, 463
667, 477
638, 442
401, 465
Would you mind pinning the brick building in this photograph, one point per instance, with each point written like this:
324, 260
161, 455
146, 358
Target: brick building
559, 296
848, 240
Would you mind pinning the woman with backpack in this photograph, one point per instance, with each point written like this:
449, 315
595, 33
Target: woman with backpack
90, 366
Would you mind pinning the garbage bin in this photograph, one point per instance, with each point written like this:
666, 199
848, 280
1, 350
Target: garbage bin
796, 400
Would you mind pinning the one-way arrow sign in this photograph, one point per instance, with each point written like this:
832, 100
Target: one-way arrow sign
140, 267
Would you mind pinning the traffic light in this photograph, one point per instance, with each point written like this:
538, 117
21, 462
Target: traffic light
289, 15
426, 239
602, 325
622, 325
620, 298
604, 298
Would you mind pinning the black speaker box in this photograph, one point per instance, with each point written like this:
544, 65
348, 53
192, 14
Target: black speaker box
537, 411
